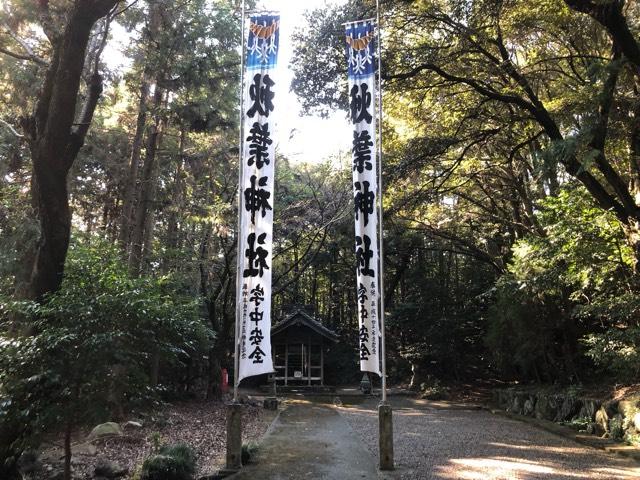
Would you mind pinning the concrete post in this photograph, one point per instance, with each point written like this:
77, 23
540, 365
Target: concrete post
385, 436
234, 436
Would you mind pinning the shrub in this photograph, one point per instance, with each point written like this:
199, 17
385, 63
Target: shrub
568, 300
90, 350
434, 390
174, 462
616, 429
249, 451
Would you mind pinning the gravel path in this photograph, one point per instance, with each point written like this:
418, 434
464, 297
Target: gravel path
310, 442
440, 443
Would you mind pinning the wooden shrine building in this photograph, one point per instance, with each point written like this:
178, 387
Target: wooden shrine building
299, 343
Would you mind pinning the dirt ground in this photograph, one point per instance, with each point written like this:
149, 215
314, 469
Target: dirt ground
200, 424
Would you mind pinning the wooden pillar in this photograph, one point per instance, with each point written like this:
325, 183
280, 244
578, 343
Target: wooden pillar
309, 361
322, 362
286, 363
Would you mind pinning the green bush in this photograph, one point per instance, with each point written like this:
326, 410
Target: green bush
249, 452
616, 349
616, 428
90, 351
174, 462
164, 467
434, 390
180, 451
568, 300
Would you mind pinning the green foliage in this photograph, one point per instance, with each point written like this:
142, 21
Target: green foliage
616, 350
249, 452
156, 441
632, 439
434, 390
521, 331
91, 344
579, 423
174, 462
575, 282
616, 429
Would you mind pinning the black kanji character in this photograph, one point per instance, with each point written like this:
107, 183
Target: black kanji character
259, 145
362, 151
360, 102
364, 334
364, 254
364, 352
256, 336
362, 294
256, 316
262, 96
364, 201
257, 355
257, 256
257, 199
257, 295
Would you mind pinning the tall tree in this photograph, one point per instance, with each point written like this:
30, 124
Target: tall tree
56, 131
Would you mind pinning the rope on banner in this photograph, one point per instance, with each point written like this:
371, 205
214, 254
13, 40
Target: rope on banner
359, 21
262, 12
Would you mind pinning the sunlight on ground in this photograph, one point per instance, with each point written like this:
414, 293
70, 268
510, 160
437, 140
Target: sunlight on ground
617, 473
499, 468
539, 448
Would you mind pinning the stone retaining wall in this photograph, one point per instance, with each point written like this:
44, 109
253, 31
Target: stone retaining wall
618, 419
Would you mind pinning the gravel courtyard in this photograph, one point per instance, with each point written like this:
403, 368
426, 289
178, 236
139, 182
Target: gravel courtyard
441, 443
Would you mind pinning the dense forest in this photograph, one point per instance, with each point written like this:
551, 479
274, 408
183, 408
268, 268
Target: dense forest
512, 198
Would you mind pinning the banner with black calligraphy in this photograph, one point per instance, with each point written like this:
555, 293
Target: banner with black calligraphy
256, 203
361, 71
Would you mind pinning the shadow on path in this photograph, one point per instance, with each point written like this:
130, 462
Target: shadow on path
310, 441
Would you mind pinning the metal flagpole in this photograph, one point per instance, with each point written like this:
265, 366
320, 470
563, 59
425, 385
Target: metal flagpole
234, 413
380, 228
385, 414
239, 253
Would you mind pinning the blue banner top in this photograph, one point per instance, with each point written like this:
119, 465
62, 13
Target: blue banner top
360, 47
263, 42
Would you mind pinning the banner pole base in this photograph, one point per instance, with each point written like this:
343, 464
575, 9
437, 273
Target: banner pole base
234, 437
385, 418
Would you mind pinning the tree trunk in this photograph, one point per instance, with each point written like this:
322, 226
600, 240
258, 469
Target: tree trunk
418, 375
140, 231
10, 430
176, 206
55, 138
633, 229
134, 166
147, 191
67, 451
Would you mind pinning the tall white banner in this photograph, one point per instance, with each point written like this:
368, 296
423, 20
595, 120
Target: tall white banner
360, 59
256, 204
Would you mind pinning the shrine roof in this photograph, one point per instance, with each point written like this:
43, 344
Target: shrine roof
301, 317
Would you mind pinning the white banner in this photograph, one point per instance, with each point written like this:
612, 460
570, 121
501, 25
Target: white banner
256, 204
360, 59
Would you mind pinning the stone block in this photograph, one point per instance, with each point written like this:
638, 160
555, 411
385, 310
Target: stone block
589, 408
234, 436
602, 422
270, 403
385, 418
529, 406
